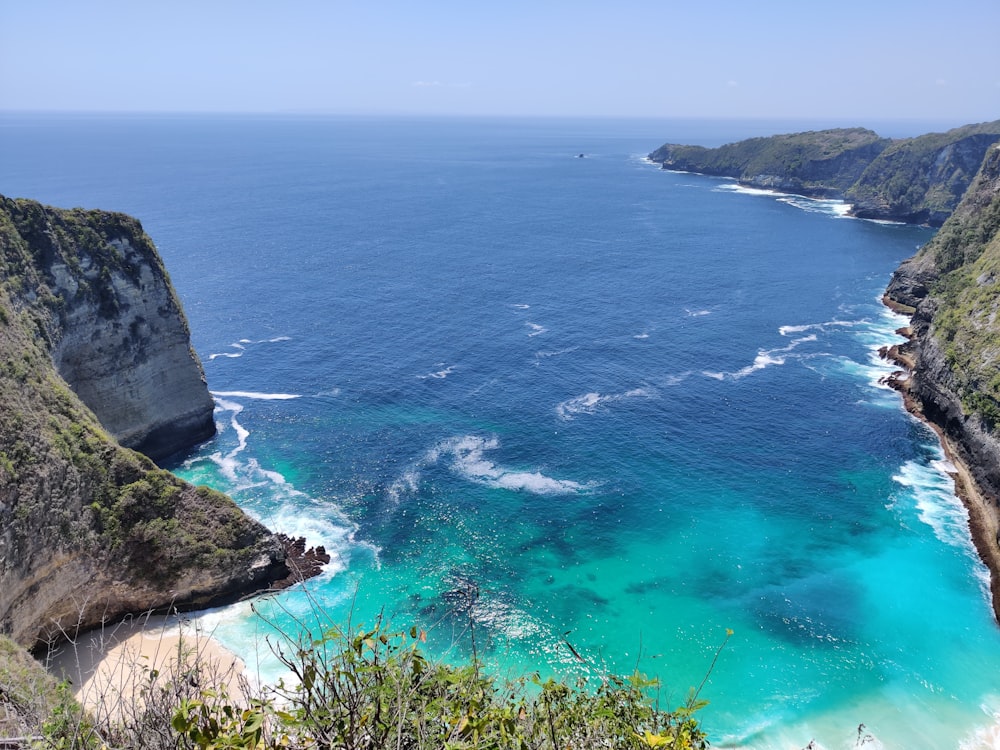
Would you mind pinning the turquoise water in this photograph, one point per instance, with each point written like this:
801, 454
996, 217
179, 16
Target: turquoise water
628, 408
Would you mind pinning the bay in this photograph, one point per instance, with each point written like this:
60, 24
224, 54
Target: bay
554, 401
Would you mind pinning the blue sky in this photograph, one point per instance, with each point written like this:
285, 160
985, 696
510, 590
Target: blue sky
845, 60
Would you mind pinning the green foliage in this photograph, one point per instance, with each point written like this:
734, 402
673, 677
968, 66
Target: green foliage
373, 688
923, 179
32, 703
966, 253
815, 161
67, 726
918, 180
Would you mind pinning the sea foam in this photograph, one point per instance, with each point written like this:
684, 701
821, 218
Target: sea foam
257, 396
589, 403
465, 456
932, 491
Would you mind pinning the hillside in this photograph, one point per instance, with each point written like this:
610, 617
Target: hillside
94, 347
951, 288
916, 180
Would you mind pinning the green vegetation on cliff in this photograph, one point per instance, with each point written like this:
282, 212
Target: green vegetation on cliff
965, 255
916, 180
814, 163
921, 180
90, 530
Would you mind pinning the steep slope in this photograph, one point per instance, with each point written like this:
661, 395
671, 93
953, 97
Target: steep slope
818, 163
90, 530
921, 180
952, 290
915, 180
116, 331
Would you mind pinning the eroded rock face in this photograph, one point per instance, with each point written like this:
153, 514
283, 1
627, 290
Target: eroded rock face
951, 290
93, 347
916, 180
118, 335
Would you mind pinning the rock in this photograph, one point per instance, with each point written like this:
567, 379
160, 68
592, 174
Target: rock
954, 350
89, 530
302, 563
915, 180
117, 334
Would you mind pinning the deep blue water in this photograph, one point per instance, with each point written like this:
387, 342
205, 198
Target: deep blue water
630, 408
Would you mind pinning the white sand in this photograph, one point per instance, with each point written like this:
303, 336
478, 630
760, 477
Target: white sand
111, 665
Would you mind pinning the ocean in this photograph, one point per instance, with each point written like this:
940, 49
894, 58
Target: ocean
528, 387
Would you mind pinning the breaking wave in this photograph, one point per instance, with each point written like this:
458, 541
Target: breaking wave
589, 403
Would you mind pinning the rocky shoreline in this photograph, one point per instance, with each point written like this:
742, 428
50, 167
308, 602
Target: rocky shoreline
984, 513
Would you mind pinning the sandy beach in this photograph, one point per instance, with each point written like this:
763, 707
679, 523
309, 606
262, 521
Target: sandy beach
111, 666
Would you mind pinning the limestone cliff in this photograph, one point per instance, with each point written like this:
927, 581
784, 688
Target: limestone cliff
115, 328
951, 288
916, 180
93, 346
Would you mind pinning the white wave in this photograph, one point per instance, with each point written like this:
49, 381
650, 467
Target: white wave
697, 313
762, 360
466, 458
875, 335
588, 403
535, 329
439, 374
830, 206
404, 484
765, 358
675, 379
933, 494
520, 306
242, 344
555, 352
787, 330
256, 396
642, 335
735, 187
987, 736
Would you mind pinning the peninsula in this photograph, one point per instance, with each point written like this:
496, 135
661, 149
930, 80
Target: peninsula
96, 365
914, 180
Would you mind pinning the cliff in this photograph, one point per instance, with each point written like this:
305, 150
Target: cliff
915, 180
816, 163
114, 326
94, 349
951, 289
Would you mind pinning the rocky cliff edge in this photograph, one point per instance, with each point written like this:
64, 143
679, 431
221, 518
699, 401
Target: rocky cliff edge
915, 180
94, 349
951, 290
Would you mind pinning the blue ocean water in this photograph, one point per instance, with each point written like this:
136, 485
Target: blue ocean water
627, 409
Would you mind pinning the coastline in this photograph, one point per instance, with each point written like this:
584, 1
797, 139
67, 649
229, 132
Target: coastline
984, 516
109, 669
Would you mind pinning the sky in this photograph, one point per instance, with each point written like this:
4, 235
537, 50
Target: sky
845, 60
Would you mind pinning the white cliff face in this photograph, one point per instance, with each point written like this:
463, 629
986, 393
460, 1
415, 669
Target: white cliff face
93, 341
124, 347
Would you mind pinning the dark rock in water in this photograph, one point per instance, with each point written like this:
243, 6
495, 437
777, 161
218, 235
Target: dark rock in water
302, 563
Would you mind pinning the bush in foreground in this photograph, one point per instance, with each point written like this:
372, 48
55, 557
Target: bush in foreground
374, 689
